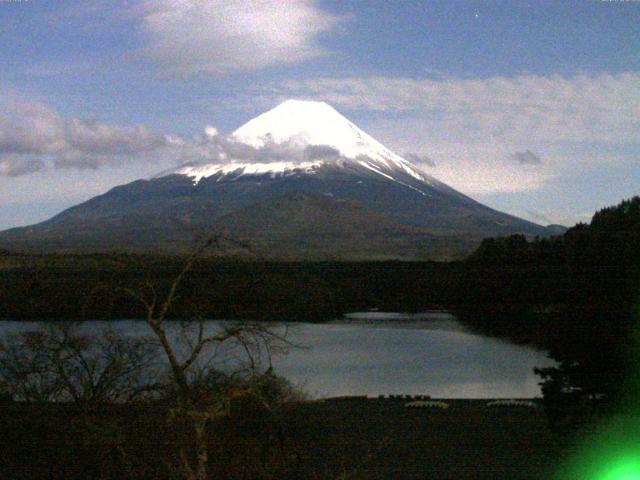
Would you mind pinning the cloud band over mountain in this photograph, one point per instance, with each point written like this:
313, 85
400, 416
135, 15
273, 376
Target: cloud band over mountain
33, 133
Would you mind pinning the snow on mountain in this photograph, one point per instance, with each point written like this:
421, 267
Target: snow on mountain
301, 123
238, 169
317, 123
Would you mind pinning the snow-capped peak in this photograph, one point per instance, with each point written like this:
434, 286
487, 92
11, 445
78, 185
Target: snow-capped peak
298, 125
308, 122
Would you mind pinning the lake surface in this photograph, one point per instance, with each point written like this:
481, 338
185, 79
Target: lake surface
389, 353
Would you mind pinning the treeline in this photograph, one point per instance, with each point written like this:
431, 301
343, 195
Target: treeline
591, 269
576, 295
90, 287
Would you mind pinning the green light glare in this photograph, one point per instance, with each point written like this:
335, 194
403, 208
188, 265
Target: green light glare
611, 452
623, 469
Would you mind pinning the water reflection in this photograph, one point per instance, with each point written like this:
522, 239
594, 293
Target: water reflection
380, 353
410, 356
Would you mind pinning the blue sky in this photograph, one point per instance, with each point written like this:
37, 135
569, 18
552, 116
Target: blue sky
530, 107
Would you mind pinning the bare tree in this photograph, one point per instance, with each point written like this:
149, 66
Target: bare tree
58, 362
211, 365
196, 352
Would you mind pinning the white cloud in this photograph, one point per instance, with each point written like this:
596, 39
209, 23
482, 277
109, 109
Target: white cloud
18, 165
33, 133
487, 173
485, 169
90, 136
220, 37
474, 129
210, 131
30, 129
211, 147
418, 159
33, 136
580, 108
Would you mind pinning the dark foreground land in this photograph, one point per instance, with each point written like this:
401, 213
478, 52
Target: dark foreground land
350, 438
384, 440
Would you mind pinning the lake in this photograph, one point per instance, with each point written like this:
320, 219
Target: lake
377, 353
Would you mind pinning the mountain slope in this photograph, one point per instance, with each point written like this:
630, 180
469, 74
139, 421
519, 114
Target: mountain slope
299, 181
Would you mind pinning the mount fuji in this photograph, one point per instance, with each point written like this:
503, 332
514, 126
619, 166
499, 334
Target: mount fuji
297, 182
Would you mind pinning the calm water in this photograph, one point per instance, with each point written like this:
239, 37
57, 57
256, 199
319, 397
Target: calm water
383, 353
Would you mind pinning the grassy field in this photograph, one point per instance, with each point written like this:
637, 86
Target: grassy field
350, 438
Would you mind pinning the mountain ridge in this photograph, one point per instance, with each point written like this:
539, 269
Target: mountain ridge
302, 158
